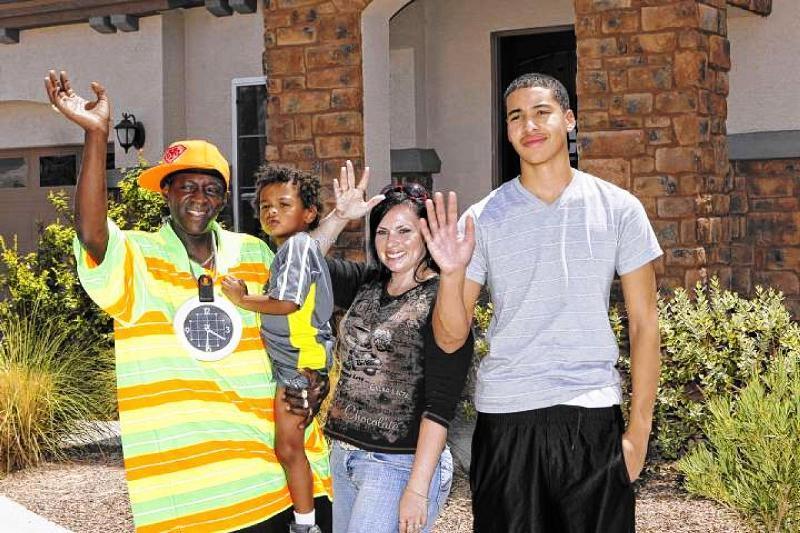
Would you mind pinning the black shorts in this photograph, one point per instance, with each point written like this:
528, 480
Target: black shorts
558, 469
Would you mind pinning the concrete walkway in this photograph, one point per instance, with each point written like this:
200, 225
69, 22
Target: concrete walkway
18, 519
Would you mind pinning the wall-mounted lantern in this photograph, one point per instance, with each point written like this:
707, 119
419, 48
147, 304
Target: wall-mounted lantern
130, 132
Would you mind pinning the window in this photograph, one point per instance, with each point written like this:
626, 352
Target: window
48, 167
27, 175
249, 142
58, 170
13, 172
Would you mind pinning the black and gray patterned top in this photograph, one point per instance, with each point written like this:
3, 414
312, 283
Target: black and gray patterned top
393, 373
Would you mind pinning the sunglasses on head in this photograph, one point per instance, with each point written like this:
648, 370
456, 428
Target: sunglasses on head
415, 191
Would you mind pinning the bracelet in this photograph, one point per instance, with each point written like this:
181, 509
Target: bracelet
415, 493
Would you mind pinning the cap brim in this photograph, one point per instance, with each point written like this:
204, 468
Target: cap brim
151, 178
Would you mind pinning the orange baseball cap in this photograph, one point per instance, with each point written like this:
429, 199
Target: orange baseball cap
186, 155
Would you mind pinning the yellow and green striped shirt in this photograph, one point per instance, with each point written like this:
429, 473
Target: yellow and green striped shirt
197, 436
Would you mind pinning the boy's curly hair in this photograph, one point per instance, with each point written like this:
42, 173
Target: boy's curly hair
308, 187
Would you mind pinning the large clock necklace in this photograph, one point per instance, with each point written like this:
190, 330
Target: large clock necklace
208, 326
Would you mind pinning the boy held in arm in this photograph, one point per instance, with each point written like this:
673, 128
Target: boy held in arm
295, 310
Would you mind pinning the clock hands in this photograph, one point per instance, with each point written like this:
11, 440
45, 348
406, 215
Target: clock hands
209, 330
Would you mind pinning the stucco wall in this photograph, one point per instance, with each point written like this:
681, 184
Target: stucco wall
146, 73
458, 79
765, 69
126, 63
407, 31
174, 74
218, 49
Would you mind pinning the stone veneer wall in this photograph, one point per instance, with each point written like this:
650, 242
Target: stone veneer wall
312, 61
766, 201
652, 88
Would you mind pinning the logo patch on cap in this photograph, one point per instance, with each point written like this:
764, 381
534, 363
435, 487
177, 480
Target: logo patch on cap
173, 152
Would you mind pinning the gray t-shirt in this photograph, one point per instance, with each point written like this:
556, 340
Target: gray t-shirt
299, 274
548, 269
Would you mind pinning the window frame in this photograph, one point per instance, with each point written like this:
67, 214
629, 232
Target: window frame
235, 84
17, 154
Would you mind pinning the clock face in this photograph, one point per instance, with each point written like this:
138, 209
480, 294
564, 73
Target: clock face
208, 330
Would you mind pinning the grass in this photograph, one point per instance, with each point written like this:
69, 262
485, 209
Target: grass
51, 381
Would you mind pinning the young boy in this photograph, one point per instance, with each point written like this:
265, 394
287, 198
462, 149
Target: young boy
295, 310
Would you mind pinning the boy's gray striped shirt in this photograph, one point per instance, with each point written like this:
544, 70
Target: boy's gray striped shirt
549, 268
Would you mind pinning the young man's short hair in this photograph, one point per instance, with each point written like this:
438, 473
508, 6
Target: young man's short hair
308, 187
534, 79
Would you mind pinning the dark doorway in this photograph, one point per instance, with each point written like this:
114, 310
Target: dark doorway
520, 52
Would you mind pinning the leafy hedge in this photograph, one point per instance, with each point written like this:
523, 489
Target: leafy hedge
47, 278
711, 344
750, 460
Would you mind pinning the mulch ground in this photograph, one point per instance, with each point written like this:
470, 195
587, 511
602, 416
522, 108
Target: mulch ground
88, 494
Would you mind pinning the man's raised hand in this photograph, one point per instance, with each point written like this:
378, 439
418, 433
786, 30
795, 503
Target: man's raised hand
451, 250
350, 204
92, 116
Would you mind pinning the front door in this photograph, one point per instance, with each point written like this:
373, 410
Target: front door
517, 53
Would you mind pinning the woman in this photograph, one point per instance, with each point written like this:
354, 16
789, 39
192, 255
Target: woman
398, 389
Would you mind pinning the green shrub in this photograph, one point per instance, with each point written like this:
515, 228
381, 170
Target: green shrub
483, 316
751, 461
136, 208
47, 278
51, 381
710, 345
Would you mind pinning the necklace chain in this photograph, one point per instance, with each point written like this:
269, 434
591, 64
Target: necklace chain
211, 260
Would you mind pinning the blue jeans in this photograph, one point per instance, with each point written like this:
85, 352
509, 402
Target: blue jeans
367, 487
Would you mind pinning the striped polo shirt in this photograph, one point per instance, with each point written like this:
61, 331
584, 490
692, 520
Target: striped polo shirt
549, 269
197, 436
302, 339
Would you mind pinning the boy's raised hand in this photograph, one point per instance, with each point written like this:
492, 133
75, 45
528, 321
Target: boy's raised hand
91, 116
350, 204
450, 249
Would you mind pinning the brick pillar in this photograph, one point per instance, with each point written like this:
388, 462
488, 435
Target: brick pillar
312, 61
652, 87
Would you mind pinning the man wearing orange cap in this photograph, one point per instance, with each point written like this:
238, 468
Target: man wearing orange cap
195, 389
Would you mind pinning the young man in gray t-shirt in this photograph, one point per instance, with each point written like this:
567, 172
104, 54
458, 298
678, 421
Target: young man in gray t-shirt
550, 452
